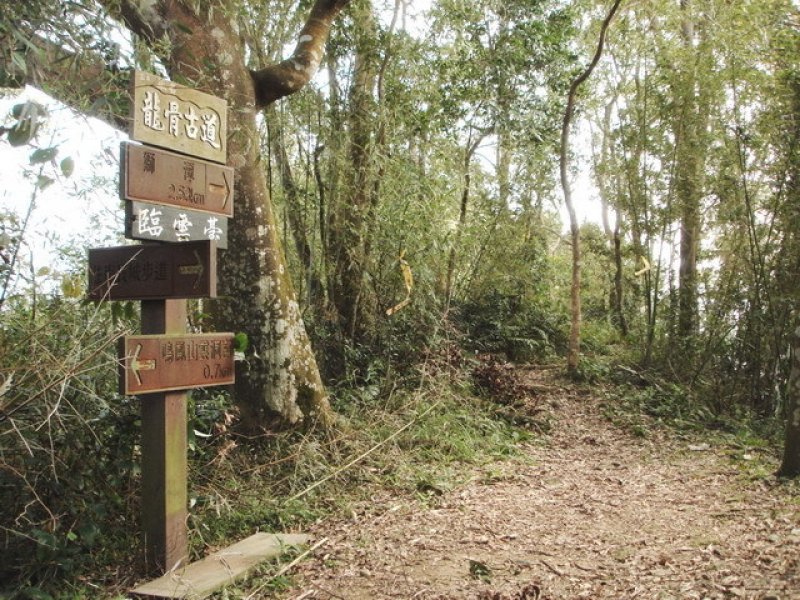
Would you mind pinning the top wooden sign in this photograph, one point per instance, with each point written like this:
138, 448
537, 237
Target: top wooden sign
179, 118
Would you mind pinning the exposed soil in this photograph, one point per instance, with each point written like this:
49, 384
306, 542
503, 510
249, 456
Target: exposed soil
590, 512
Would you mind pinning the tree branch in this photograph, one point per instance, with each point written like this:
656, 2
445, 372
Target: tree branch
289, 76
142, 18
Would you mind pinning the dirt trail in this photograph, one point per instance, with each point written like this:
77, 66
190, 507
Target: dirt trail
592, 512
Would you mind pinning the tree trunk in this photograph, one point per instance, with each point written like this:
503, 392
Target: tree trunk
347, 233
472, 146
790, 467
573, 352
294, 211
279, 380
615, 294
691, 118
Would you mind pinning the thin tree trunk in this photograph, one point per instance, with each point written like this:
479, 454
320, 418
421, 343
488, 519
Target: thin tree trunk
573, 353
790, 466
294, 211
472, 146
348, 236
691, 118
615, 294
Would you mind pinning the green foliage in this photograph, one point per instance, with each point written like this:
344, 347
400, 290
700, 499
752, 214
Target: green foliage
28, 117
508, 324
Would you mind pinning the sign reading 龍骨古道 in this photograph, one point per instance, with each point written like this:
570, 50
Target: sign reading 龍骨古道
179, 118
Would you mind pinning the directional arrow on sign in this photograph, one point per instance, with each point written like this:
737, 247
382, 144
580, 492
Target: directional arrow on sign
153, 271
175, 362
141, 365
195, 269
150, 174
222, 189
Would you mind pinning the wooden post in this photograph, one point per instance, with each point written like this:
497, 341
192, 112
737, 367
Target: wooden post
164, 472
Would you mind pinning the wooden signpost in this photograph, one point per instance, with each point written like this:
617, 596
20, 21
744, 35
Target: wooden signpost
181, 205
162, 223
185, 201
152, 175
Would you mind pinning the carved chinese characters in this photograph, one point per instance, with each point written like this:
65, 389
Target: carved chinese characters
153, 271
158, 363
173, 116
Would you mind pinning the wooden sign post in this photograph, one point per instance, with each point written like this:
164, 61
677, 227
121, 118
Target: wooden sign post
180, 199
164, 462
175, 117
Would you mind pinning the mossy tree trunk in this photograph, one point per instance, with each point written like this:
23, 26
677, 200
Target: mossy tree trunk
279, 380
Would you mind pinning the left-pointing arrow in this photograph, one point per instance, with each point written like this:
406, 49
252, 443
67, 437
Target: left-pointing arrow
137, 365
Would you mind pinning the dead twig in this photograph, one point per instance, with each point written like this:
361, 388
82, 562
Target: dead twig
286, 568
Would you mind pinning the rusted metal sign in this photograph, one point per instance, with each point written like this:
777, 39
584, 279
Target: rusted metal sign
163, 363
144, 221
150, 272
174, 116
153, 175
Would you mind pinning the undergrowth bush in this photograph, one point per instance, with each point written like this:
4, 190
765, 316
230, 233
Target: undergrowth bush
67, 457
512, 325
409, 440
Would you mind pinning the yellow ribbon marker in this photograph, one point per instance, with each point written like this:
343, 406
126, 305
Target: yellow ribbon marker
408, 279
643, 270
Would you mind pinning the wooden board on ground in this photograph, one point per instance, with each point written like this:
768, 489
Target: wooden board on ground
204, 577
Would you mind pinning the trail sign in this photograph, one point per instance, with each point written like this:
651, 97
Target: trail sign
174, 116
163, 363
151, 175
144, 221
150, 272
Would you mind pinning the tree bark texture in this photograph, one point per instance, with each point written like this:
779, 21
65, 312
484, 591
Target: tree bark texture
279, 380
790, 466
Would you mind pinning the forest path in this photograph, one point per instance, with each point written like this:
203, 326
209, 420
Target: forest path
589, 512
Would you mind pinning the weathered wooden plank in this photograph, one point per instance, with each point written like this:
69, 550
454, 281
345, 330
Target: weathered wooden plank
153, 271
178, 118
170, 362
164, 461
145, 221
148, 174
202, 578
